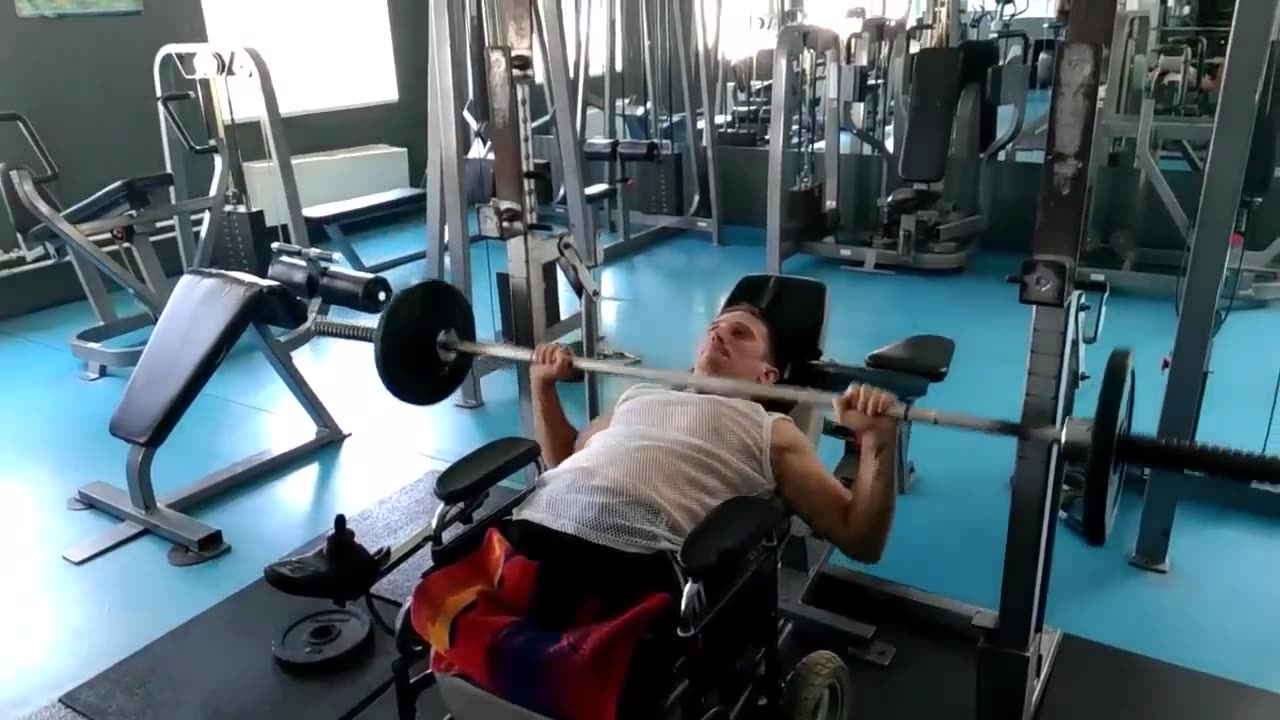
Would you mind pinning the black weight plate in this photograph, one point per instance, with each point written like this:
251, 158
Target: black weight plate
323, 639
405, 349
1104, 472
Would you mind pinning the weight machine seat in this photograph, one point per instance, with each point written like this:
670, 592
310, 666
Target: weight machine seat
928, 356
937, 78
601, 149
485, 467
644, 151
118, 198
600, 192
364, 207
206, 314
907, 200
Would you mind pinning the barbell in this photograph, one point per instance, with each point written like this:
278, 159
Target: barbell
425, 342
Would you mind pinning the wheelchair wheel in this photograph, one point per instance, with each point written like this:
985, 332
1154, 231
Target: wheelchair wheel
819, 688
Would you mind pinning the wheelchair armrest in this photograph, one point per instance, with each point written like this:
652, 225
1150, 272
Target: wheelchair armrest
484, 467
734, 529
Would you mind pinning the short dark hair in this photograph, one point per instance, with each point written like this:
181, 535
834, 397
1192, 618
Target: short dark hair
758, 314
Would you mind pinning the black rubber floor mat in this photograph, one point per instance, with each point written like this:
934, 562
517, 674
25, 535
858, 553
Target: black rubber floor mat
219, 666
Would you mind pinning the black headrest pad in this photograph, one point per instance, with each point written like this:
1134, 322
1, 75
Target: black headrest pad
795, 310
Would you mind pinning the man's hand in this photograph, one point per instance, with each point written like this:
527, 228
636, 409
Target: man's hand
862, 409
552, 363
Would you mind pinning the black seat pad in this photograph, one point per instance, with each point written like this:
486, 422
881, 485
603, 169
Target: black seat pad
115, 199
936, 80
733, 529
205, 316
928, 356
366, 206
485, 467
642, 150
836, 377
600, 149
599, 191
906, 200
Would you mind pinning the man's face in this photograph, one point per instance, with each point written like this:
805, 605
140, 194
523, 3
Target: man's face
736, 346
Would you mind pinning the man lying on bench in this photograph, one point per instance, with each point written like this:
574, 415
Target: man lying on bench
588, 548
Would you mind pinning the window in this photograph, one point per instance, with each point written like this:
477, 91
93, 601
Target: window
323, 54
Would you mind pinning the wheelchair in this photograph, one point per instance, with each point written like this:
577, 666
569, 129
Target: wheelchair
737, 648
728, 660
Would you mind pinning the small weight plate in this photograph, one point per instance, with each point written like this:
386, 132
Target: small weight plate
323, 639
1104, 473
406, 350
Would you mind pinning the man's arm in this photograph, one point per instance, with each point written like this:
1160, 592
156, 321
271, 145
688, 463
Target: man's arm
551, 427
558, 437
855, 519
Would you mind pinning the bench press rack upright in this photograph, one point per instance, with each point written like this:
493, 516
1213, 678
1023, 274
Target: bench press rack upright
537, 253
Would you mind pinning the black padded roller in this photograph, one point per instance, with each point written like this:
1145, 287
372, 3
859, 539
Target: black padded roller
1214, 460
353, 289
294, 274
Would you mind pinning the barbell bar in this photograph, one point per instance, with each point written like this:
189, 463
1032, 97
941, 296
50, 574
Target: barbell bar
425, 342
746, 389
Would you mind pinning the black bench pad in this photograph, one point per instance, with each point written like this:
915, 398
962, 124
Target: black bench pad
205, 316
836, 377
928, 356
485, 467
600, 149
936, 80
366, 206
115, 199
599, 192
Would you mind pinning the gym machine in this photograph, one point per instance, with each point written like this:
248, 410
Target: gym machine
1162, 90
126, 217
537, 253
1015, 649
1243, 136
652, 151
208, 312
819, 79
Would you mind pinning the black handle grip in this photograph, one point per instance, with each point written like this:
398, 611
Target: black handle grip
33, 139
1171, 454
166, 103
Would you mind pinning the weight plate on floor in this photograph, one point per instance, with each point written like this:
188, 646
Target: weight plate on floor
1104, 472
323, 639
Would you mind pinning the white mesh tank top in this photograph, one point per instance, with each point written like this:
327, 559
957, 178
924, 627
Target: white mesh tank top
665, 461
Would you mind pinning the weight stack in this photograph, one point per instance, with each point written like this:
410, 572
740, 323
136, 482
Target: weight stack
657, 188
245, 243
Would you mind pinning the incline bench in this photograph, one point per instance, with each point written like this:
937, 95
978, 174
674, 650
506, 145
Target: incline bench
327, 220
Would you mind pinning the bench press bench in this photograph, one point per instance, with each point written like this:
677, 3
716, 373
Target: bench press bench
327, 221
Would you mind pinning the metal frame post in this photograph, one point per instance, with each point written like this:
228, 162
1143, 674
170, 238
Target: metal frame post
1252, 29
1016, 656
444, 45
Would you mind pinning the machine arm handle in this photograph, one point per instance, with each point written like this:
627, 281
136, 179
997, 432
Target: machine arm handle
33, 139
166, 103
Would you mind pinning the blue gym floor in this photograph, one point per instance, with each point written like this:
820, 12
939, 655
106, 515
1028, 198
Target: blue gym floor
66, 623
